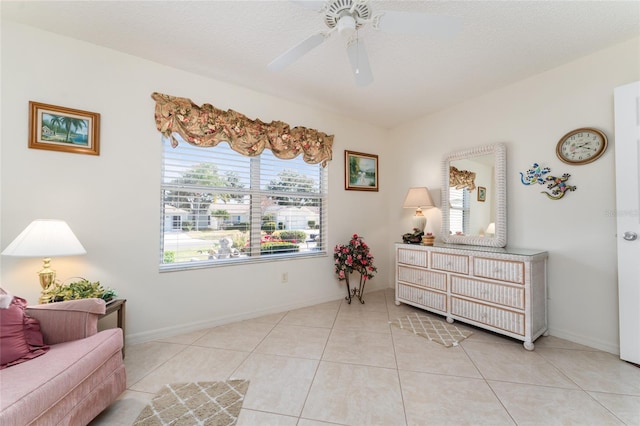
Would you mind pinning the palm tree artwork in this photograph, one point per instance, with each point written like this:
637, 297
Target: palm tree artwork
64, 129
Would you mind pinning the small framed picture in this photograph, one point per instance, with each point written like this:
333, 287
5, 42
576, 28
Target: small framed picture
361, 171
482, 194
57, 128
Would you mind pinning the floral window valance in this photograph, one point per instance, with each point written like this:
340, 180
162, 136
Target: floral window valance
208, 126
462, 179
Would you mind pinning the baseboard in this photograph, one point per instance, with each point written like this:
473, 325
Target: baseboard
163, 333
586, 341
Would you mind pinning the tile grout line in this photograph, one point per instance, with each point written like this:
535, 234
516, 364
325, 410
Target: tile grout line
585, 391
254, 348
158, 366
395, 355
315, 373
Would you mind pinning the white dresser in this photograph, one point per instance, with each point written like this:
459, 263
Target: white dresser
500, 289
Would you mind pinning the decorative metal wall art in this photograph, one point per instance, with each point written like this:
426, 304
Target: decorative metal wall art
534, 175
557, 185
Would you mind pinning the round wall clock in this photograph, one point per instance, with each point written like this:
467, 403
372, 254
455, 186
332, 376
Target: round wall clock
581, 146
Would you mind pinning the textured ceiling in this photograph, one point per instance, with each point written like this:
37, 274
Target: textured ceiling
501, 42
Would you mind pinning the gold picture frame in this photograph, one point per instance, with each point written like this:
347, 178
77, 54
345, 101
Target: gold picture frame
482, 194
57, 128
361, 171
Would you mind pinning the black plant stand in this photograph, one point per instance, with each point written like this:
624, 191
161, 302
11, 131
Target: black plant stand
357, 292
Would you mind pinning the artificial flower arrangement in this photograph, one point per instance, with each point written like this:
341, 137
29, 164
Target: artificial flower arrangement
354, 256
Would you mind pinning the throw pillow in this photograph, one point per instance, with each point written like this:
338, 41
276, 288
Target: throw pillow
20, 336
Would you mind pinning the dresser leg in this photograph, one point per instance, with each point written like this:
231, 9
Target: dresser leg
450, 320
529, 346
397, 303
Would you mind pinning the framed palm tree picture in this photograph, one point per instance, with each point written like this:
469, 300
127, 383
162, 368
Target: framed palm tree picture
57, 128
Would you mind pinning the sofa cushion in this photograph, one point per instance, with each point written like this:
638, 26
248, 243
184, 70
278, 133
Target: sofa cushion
20, 336
60, 379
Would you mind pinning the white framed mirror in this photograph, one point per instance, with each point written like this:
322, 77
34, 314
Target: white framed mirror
474, 196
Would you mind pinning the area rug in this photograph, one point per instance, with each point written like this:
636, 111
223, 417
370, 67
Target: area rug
199, 403
433, 329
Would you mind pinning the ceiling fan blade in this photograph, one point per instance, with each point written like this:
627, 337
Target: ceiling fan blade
296, 52
317, 5
397, 22
359, 60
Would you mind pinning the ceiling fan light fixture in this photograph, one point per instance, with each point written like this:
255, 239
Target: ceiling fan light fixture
347, 26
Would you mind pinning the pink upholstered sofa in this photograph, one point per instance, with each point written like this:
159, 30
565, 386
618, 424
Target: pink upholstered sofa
80, 375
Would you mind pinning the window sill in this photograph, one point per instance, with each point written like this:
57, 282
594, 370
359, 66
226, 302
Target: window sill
239, 261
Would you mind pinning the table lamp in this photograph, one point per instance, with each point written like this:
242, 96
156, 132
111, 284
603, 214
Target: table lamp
491, 229
45, 238
418, 198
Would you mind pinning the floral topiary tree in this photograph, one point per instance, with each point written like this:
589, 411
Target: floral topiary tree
354, 257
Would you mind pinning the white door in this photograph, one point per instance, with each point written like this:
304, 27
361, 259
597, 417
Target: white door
627, 140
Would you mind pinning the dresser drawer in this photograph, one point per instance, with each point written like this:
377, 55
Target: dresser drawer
489, 315
423, 278
511, 296
503, 270
423, 297
412, 257
450, 262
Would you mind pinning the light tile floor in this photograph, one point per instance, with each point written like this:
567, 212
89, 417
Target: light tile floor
343, 364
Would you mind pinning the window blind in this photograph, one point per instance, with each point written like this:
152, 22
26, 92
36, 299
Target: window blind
219, 207
458, 210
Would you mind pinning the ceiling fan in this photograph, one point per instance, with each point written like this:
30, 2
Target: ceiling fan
348, 16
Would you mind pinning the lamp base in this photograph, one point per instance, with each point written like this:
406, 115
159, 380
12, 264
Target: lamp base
419, 221
47, 275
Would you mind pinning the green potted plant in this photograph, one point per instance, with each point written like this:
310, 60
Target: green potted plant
81, 289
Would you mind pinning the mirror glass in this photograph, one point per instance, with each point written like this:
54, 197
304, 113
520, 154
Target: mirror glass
474, 196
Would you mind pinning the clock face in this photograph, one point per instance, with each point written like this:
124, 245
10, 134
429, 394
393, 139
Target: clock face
581, 146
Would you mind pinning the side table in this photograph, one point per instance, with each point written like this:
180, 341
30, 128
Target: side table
119, 306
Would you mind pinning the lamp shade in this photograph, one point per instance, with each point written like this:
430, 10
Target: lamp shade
418, 198
491, 229
45, 238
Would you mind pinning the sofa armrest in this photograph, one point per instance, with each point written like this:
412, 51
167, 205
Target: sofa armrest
69, 320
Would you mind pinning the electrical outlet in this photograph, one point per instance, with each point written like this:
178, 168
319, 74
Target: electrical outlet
285, 277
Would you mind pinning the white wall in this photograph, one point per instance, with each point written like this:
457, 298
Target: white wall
112, 201
578, 231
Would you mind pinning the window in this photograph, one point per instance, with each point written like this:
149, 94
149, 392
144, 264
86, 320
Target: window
458, 210
220, 207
